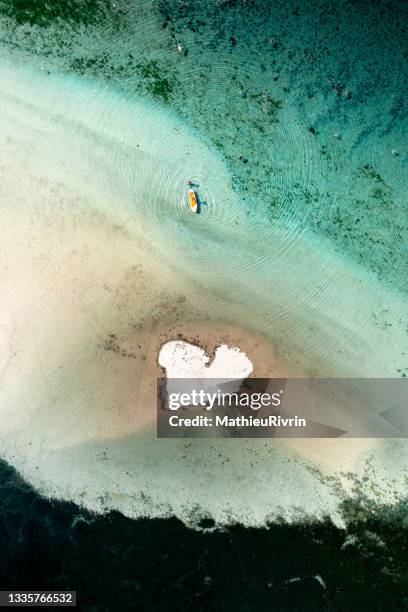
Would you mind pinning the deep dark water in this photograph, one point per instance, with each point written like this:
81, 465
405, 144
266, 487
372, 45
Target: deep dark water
117, 563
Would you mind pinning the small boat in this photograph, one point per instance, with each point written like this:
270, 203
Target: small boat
193, 201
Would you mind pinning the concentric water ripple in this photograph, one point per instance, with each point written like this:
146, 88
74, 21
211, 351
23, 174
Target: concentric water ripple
234, 236
230, 227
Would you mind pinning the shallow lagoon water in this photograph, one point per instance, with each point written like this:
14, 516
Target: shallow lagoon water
99, 174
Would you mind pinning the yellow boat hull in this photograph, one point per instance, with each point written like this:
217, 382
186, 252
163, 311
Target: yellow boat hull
192, 200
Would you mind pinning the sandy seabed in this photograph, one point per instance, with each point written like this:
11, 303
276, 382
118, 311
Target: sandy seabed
96, 275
